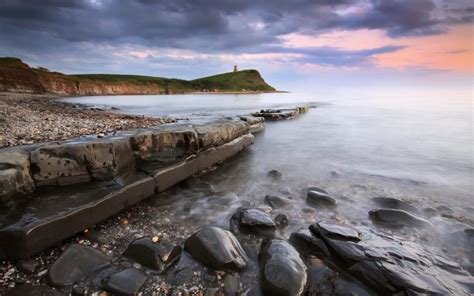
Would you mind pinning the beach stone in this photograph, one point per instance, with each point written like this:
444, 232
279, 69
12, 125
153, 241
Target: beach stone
276, 201
75, 262
282, 221
319, 197
397, 218
125, 282
254, 221
216, 248
156, 256
393, 203
306, 243
282, 272
197, 185
274, 174
220, 132
389, 265
28, 266
31, 290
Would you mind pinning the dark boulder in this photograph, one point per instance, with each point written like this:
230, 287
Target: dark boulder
157, 256
75, 263
318, 197
30, 290
216, 248
282, 272
253, 221
390, 265
125, 282
397, 218
276, 201
393, 203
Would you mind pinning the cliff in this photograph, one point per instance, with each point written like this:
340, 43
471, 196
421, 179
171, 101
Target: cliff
16, 76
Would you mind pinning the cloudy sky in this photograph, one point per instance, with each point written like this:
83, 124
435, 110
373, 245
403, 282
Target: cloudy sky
328, 45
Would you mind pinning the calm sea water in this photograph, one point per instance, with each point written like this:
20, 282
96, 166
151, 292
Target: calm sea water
414, 141
416, 149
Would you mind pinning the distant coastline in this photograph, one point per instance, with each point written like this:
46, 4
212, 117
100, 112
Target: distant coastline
18, 77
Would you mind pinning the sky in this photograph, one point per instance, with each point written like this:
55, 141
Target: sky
332, 47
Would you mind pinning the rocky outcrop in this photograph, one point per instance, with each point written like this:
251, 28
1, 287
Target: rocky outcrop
120, 171
280, 114
387, 264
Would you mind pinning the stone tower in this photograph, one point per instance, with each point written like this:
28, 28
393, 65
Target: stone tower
235, 68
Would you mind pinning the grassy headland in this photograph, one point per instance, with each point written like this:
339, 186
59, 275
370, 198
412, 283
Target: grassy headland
16, 76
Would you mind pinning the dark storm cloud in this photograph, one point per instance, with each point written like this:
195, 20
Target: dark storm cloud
35, 29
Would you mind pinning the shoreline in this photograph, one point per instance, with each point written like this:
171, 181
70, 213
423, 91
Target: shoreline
33, 118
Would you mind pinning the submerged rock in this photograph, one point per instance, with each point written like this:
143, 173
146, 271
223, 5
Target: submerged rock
319, 197
125, 282
157, 256
393, 203
254, 221
282, 272
75, 263
274, 174
216, 248
397, 218
390, 265
276, 201
282, 221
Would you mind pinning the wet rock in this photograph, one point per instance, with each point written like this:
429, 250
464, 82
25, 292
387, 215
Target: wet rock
231, 284
276, 201
282, 272
319, 197
254, 221
393, 203
198, 185
306, 243
75, 262
335, 231
30, 290
216, 248
390, 265
282, 221
157, 256
397, 218
28, 266
125, 282
274, 174
469, 232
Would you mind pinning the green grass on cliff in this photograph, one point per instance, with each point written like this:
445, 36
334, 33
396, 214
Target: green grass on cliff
240, 80
248, 80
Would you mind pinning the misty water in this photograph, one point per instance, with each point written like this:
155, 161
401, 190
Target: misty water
415, 149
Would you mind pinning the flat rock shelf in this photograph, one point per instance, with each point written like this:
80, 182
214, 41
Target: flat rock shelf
52, 191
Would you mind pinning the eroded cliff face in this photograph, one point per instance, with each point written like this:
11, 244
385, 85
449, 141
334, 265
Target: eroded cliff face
19, 77
16, 76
